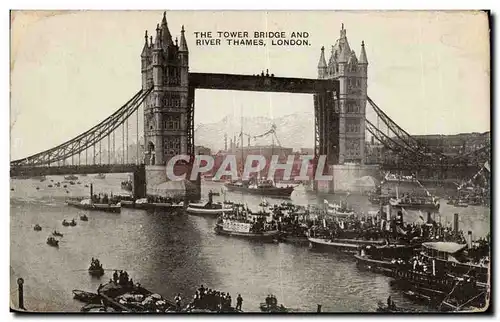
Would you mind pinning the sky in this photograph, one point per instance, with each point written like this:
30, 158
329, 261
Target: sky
429, 71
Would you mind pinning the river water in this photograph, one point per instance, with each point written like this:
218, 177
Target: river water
171, 254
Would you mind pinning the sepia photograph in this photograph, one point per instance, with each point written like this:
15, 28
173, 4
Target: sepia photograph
272, 162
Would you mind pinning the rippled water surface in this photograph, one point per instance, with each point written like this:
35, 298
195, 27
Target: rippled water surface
175, 254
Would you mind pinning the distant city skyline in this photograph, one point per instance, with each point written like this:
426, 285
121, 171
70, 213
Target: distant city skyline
429, 71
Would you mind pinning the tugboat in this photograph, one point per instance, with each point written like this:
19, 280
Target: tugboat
95, 268
265, 188
271, 305
209, 208
84, 218
52, 242
57, 234
37, 227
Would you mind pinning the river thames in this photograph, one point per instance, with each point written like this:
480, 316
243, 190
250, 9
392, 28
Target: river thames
171, 254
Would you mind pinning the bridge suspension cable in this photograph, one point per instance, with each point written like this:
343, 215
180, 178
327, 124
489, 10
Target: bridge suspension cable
87, 139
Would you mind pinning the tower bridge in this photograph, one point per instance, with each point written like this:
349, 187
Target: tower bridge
167, 98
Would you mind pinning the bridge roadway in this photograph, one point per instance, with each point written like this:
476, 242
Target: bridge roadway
137, 170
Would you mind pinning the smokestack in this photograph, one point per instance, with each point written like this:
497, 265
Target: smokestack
429, 218
469, 239
225, 141
373, 140
455, 223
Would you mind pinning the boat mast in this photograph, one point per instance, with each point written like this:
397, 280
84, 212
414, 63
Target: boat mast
241, 140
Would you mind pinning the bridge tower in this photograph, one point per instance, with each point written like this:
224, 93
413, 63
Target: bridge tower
165, 68
352, 74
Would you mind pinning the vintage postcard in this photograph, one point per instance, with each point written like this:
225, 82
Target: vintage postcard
250, 161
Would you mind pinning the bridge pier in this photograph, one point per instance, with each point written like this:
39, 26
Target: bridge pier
139, 181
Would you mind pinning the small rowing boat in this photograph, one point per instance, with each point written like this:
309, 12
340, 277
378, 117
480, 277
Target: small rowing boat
86, 297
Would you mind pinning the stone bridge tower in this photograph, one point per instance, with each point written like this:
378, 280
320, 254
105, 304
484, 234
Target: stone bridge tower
352, 74
165, 68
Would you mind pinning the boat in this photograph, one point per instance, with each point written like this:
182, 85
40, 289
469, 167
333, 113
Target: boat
37, 227
65, 223
52, 241
238, 228
454, 258
271, 305
351, 246
50, 186
86, 297
384, 258
70, 177
87, 204
415, 203
133, 298
95, 268
72, 223
100, 176
84, 218
56, 233
208, 208
160, 206
263, 188
72, 183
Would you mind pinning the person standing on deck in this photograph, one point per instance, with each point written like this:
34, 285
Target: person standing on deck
239, 302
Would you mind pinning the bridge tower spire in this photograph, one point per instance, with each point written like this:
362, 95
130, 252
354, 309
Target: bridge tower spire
322, 64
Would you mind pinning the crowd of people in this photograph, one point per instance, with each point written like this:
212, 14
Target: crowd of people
161, 199
103, 198
212, 300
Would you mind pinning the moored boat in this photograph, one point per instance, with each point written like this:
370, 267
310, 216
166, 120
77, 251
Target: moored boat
166, 206
343, 245
86, 297
87, 204
84, 218
37, 227
70, 177
65, 223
